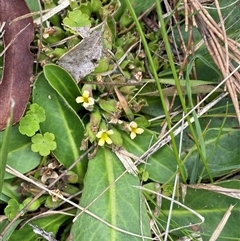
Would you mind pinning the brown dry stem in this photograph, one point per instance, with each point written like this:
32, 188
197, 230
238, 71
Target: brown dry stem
224, 50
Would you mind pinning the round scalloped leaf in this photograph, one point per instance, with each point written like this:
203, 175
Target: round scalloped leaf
77, 19
12, 209
28, 125
37, 112
43, 144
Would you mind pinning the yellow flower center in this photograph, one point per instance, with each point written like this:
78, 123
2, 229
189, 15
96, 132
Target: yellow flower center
104, 135
85, 99
134, 129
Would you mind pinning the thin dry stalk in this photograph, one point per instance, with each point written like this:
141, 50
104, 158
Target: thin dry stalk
224, 50
221, 225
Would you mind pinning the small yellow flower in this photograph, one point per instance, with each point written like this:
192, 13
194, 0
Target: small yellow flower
134, 129
103, 137
87, 100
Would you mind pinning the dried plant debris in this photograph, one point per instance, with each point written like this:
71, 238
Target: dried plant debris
83, 58
18, 60
223, 50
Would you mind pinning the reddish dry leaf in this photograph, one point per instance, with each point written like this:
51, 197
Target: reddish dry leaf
18, 60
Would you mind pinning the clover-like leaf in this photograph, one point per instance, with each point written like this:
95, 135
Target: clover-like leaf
37, 112
43, 144
77, 19
28, 125
12, 208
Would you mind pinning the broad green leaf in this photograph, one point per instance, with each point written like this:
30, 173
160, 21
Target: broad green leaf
33, 6
122, 205
10, 191
162, 165
63, 122
49, 224
212, 206
63, 83
153, 108
20, 156
108, 105
223, 153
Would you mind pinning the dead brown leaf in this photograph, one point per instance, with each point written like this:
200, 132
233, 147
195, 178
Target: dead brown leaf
18, 60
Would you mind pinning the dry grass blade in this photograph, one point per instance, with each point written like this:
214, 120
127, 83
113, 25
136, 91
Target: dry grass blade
234, 193
221, 225
224, 50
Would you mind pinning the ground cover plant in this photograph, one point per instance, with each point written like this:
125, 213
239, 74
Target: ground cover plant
119, 120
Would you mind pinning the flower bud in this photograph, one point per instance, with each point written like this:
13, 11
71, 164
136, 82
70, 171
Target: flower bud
34, 206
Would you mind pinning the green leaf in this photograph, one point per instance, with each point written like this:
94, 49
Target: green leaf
4, 150
50, 223
222, 153
77, 19
43, 144
211, 205
63, 122
63, 83
161, 166
96, 5
116, 137
34, 206
12, 209
33, 6
37, 112
122, 205
10, 229
108, 105
10, 191
139, 7
28, 125
20, 155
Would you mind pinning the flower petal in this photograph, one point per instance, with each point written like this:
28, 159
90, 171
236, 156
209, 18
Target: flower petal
133, 124
101, 142
85, 94
132, 135
99, 134
108, 140
79, 99
90, 101
110, 132
139, 131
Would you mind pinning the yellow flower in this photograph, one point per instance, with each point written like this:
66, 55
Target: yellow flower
134, 129
103, 137
85, 99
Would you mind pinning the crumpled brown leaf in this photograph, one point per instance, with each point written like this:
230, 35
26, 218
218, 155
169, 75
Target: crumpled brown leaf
18, 60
